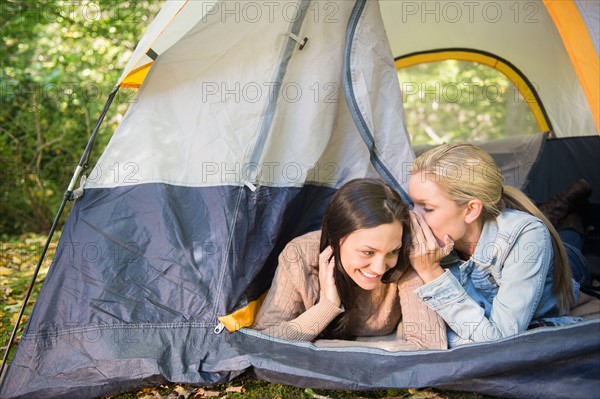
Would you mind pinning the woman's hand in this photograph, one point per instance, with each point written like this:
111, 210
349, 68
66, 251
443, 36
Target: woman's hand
425, 254
326, 280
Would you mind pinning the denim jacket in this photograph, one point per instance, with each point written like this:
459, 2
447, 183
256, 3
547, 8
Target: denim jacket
503, 287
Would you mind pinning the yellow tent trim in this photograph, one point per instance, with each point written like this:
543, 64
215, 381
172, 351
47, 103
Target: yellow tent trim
243, 317
135, 78
485, 59
527, 94
580, 48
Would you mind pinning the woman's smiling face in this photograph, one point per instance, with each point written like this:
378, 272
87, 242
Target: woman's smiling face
366, 254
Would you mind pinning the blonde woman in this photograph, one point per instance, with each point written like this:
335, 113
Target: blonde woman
491, 262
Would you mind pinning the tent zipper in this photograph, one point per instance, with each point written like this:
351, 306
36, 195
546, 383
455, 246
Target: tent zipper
252, 182
269, 112
219, 328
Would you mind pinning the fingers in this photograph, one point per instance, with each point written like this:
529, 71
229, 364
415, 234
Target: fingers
326, 263
422, 232
326, 254
429, 237
448, 245
417, 231
326, 279
426, 252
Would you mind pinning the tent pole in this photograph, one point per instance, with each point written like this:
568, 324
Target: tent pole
68, 196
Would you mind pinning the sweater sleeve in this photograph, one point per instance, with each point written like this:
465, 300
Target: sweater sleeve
292, 309
420, 328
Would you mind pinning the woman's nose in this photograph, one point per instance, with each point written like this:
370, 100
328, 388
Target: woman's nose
379, 265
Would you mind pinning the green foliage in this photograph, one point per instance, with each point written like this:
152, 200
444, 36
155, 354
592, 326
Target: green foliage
18, 258
461, 101
58, 63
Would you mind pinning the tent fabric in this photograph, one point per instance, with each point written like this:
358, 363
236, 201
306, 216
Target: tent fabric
590, 12
238, 95
237, 139
560, 164
523, 33
162, 33
517, 367
500, 26
515, 156
583, 51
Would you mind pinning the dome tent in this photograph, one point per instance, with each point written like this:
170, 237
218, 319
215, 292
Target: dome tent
245, 122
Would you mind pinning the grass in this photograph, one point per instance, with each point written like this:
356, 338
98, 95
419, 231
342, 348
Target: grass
248, 387
18, 258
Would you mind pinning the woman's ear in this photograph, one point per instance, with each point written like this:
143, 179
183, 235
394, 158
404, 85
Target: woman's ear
474, 208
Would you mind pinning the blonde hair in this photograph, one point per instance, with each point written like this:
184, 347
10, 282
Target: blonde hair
466, 172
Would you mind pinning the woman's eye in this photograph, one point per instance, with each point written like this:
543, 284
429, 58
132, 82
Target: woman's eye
368, 253
422, 208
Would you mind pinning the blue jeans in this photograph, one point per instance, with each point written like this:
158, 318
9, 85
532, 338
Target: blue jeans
573, 243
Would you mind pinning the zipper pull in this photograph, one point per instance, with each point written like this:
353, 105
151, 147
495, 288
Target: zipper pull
219, 328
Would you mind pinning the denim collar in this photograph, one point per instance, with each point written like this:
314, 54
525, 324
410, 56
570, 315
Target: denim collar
486, 249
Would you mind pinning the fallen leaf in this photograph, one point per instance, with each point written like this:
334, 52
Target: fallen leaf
239, 389
182, 391
149, 393
312, 394
423, 394
203, 393
15, 316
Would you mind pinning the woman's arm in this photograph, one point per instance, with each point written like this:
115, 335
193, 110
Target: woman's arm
292, 308
523, 275
420, 328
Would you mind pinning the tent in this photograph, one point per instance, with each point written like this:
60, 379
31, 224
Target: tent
248, 116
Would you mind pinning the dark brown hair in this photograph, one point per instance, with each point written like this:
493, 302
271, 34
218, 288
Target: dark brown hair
361, 204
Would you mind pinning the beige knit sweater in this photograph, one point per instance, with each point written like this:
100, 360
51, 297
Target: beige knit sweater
389, 317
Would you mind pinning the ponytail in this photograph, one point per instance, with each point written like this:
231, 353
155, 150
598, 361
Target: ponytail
563, 288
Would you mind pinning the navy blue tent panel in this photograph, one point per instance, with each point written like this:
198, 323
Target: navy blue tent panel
563, 161
135, 288
560, 163
526, 366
